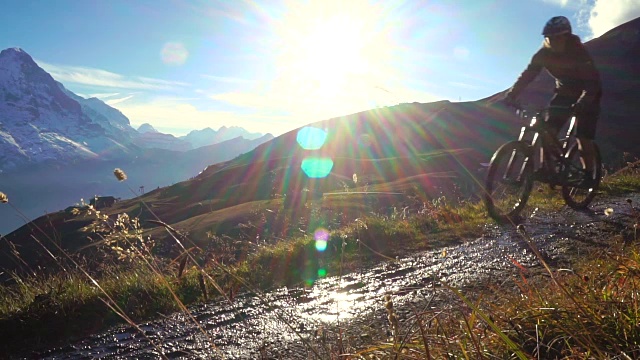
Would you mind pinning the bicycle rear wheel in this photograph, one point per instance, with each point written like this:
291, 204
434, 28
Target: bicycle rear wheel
509, 182
581, 181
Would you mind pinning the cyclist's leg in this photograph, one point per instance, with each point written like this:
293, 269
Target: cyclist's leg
558, 113
586, 132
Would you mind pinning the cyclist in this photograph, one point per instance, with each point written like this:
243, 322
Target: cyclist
578, 86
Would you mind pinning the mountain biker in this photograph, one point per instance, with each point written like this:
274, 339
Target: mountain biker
578, 86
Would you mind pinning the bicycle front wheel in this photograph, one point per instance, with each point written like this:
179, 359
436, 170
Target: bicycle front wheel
509, 182
582, 177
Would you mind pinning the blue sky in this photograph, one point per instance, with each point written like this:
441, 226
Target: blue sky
276, 65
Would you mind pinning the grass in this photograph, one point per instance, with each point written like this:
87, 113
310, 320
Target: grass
590, 311
54, 308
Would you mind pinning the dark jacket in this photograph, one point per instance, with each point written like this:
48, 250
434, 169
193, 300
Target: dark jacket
574, 70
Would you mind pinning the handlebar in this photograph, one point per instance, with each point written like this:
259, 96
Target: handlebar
522, 108
515, 104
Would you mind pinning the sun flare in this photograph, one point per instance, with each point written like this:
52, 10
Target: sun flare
332, 50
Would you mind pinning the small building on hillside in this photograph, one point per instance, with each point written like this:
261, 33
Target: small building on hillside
100, 202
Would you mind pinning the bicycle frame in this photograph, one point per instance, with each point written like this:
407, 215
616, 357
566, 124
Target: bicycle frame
543, 142
515, 166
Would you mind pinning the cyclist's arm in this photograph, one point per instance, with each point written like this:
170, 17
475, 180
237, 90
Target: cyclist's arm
588, 73
527, 76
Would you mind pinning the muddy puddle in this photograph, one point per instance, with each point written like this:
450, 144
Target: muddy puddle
302, 323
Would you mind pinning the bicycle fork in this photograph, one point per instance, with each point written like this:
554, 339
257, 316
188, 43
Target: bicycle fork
510, 166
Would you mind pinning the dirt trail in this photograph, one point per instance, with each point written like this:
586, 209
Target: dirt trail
288, 323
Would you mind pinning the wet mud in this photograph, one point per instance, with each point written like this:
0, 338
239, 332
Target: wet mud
340, 313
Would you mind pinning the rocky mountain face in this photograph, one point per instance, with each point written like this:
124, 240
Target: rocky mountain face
40, 122
114, 122
57, 148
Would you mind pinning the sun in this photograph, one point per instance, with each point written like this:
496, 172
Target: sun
329, 49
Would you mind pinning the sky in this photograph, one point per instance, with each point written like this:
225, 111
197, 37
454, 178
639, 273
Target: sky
272, 66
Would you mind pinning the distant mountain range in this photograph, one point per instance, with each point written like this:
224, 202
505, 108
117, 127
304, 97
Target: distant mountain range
149, 137
48, 133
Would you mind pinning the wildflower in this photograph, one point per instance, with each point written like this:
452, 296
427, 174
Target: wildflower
608, 211
120, 175
3, 198
355, 179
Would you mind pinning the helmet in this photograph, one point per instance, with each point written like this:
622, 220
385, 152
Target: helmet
557, 25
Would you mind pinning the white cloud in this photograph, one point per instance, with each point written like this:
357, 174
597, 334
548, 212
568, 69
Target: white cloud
226, 79
607, 14
272, 109
103, 78
103, 95
112, 102
308, 101
561, 3
183, 117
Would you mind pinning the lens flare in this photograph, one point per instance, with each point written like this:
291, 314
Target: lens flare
365, 140
311, 138
317, 167
322, 273
322, 238
321, 245
174, 53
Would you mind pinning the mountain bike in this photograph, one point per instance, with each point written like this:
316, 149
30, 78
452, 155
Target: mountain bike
538, 155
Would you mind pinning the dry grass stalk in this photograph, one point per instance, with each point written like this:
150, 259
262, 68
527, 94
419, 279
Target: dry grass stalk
120, 175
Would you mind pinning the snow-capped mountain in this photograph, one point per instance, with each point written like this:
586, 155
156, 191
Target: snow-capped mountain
146, 127
150, 138
42, 121
51, 137
208, 136
110, 119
